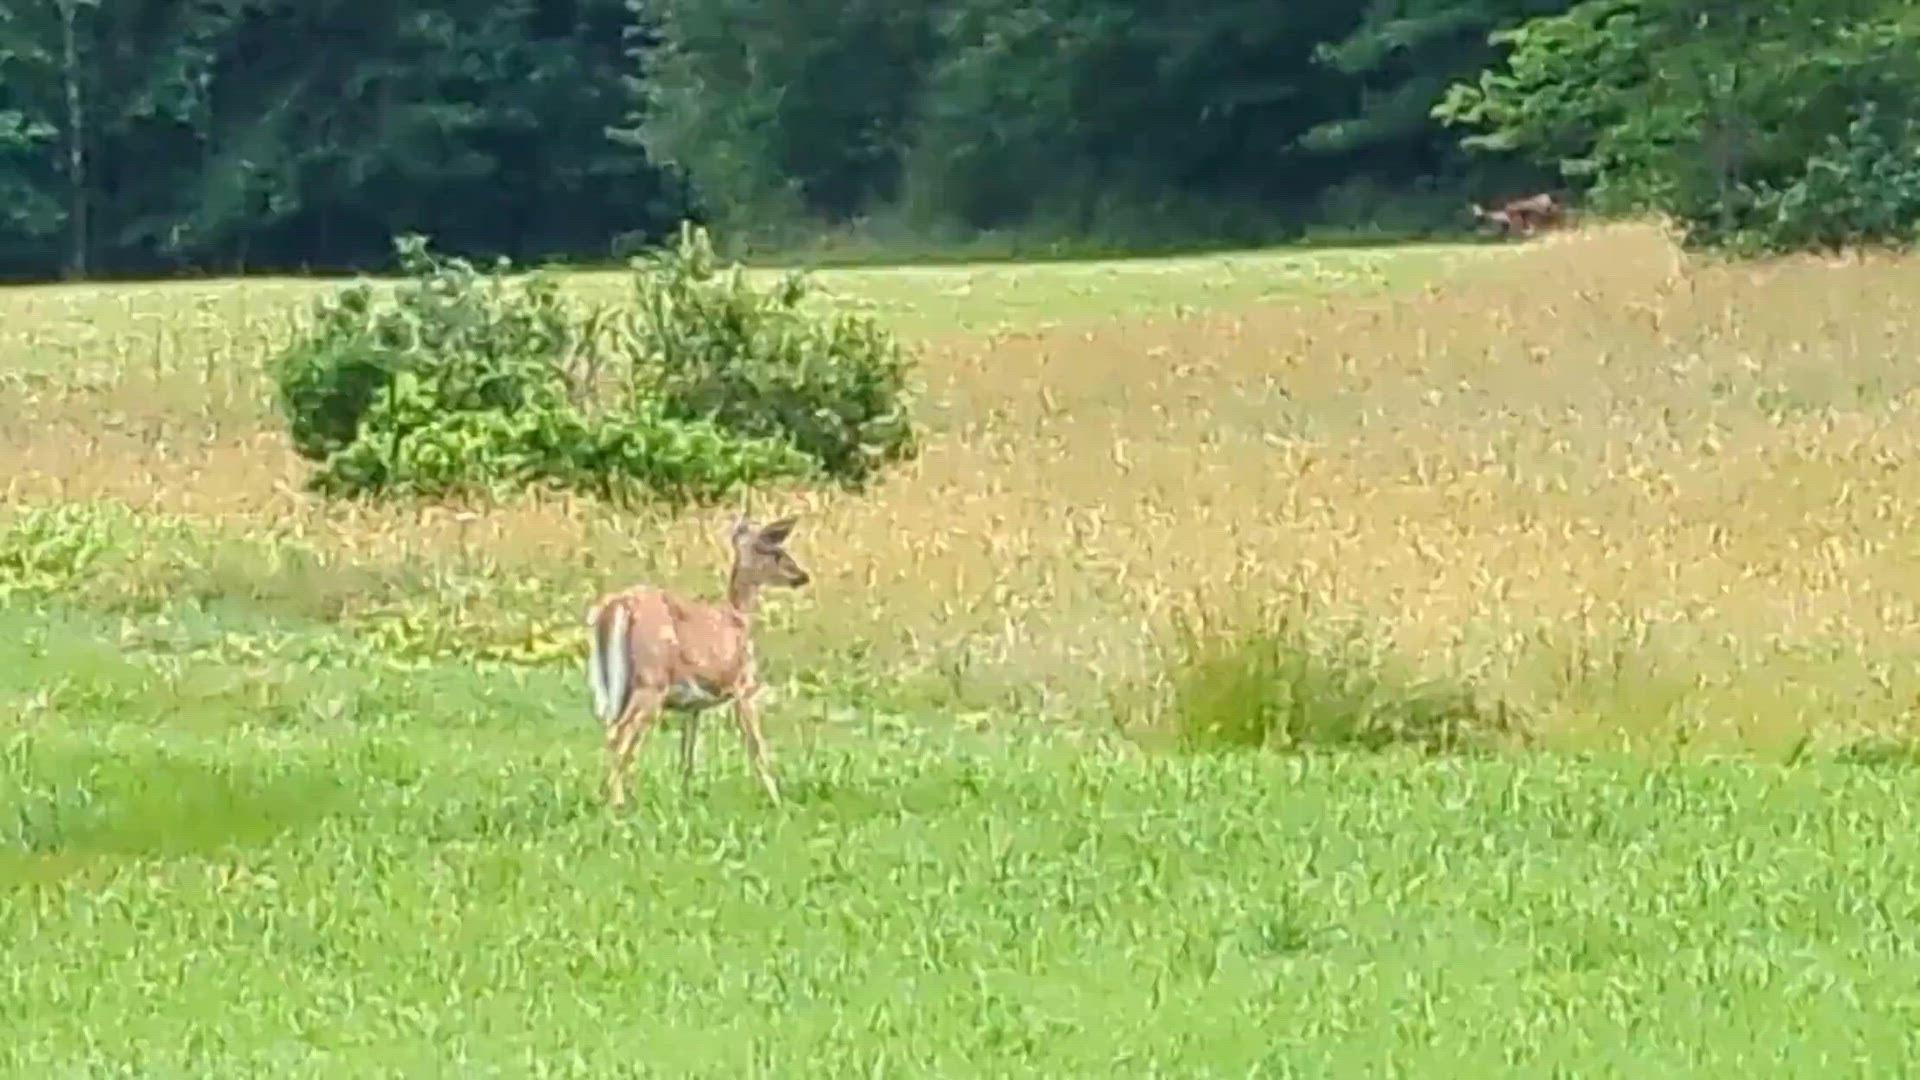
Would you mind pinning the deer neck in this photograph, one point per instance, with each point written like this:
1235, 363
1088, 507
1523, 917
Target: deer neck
743, 595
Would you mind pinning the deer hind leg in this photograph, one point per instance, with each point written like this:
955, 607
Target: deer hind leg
625, 736
746, 710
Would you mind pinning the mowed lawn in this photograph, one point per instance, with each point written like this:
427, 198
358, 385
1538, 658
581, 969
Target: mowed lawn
304, 790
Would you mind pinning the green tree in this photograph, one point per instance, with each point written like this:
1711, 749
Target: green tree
781, 110
1708, 109
1088, 113
152, 134
102, 110
1399, 62
482, 123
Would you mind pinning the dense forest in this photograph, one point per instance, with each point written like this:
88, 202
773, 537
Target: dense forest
167, 136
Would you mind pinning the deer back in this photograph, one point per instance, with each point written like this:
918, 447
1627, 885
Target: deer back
1541, 208
692, 639
698, 653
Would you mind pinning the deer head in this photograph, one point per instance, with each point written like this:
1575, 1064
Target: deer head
1501, 219
760, 556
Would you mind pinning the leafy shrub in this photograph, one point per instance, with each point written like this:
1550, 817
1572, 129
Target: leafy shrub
478, 341
430, 451
758, 364
468, 379
1861, 189
47, 549
1268, 683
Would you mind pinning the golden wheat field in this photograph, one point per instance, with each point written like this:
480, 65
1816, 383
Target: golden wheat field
1655, 502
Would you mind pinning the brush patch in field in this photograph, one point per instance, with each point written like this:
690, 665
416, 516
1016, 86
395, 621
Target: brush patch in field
1262, 676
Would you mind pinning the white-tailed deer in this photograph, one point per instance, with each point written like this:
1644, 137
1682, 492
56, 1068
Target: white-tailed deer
653, 650
1524, 216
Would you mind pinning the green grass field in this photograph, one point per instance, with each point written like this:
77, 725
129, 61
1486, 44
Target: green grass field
302, 790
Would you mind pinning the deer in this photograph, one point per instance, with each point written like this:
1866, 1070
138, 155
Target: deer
1522, 215
1499, 219
656, 651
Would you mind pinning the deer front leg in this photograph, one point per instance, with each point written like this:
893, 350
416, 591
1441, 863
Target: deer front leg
746, 710
689, 746
624, 737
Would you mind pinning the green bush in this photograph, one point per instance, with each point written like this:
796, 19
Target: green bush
467, 379
1266, 682
424, 450
759, 364
1862, 189
478, 341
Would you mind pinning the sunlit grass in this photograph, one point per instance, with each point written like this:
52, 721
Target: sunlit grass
382, 877
313, 789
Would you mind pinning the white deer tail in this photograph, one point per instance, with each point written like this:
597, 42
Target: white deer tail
609, 667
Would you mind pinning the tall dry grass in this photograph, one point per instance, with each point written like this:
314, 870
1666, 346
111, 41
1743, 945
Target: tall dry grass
1651, 502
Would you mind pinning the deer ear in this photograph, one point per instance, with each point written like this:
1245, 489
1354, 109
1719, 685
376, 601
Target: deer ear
776, 532
742, 528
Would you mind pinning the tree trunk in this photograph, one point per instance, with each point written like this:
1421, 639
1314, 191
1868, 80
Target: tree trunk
76, 145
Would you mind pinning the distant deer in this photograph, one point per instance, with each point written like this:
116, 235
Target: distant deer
654, 650
1524, 216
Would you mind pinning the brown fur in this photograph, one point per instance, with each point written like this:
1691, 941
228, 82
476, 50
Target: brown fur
1524, 216
689, 655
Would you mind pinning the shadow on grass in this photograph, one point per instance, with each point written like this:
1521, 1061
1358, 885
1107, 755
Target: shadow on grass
66, 810
883, 258
1888, 751
865, 799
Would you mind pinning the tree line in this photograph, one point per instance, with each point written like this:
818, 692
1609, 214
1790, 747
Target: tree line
166, 136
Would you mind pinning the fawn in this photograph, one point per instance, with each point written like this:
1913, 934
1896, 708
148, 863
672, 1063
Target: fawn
654, 650
1522, 215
